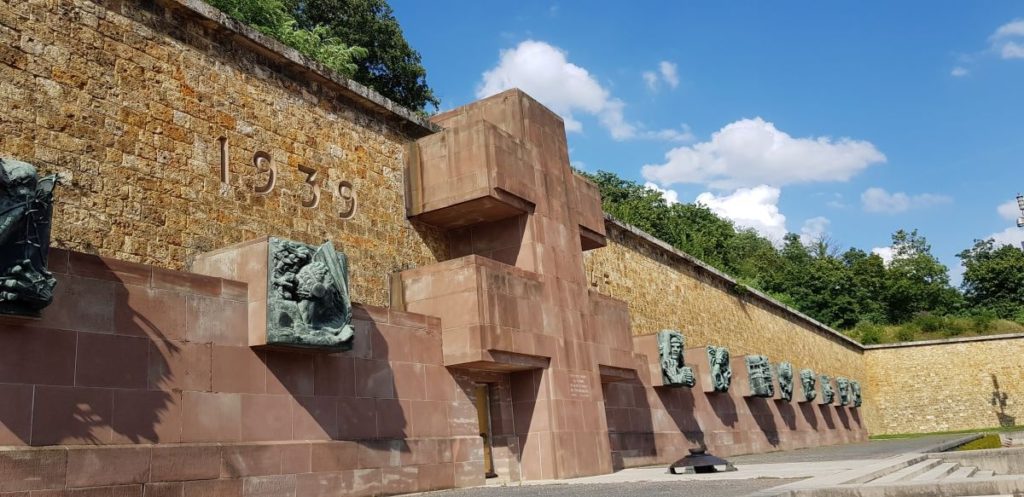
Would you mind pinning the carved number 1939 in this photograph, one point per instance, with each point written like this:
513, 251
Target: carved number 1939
263, 164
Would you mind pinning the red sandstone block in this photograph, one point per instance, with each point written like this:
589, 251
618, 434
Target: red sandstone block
314, 418
185, 462
81, 304
37, 356
102, 268
179, 366
217, 321
408, 319
467, 449
295, 457
423, 450
15, 414
111, 361
163, 490
438, 383
146, 416
383, 454
238, 370
144, 311
97, 467
183, 282
436, 477
430, 418
333, 375
334, 456
361, 483
118, 491
269, 486
234, 290
22, 470
57, 261
266, 417
362, 346
319, 485
393, 418
374, 379
393, 343
400, 480
240, 460
71, 415
357, 418
409, 380
289, 373
211, 417
213, 488
469, 474
373, 313
463, 418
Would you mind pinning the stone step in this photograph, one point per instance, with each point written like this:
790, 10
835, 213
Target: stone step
964, 472
908, 472
938, 472
983, 473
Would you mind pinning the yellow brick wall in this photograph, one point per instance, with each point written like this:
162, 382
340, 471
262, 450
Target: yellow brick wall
663, 292
128, 107
950, 386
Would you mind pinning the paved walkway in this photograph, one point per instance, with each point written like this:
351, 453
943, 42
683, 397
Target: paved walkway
756, 475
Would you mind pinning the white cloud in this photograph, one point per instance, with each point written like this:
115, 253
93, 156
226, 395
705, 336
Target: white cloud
651, 80
668, 73
1005, 40
754, 152
881, 201
1010, 236
1008, 210
544, 71
755, 208
1012, 50
959, 72
670, 196
814, 229
885, 253
1011, 29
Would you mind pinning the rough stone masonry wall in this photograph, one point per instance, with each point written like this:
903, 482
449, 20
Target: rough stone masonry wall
945, 385
127, 100
665, 291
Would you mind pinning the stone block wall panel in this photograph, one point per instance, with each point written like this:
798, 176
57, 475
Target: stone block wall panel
945, 385
126, 101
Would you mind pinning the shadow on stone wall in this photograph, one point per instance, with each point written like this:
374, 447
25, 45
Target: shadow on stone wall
94, 369
761, 411
1000, 400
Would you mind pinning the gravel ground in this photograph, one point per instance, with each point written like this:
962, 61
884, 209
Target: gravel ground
722, 488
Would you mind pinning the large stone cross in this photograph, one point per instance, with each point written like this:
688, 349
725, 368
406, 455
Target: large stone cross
514, 296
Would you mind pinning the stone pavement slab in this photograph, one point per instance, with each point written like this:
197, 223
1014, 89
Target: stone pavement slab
724, 488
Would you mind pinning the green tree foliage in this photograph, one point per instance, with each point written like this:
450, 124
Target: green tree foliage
273, 18
390, 66
917, 281
994, 278
852, 289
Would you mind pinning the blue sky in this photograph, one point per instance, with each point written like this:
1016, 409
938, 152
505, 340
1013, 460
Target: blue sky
851, 119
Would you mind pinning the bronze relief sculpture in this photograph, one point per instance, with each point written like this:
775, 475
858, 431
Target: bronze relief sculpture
308, 302
670, 350
721, 371
26, 206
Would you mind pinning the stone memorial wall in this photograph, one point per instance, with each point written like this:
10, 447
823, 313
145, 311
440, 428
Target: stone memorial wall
499, 322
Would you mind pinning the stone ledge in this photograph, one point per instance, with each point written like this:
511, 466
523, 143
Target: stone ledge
945, 341
278, 52
693, 261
